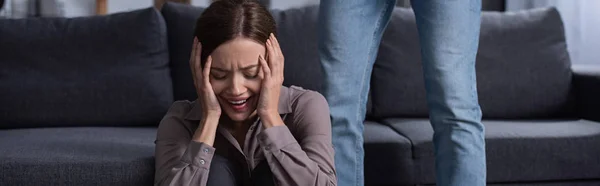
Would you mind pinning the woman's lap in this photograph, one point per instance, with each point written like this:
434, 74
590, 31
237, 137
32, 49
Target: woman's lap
226, 173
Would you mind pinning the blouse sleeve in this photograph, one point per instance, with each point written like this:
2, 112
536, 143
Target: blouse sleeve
310, 159
178, 159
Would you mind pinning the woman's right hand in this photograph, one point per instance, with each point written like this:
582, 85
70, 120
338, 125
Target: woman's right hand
206, 95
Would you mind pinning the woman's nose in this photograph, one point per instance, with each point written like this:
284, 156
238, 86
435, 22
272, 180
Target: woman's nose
237, 87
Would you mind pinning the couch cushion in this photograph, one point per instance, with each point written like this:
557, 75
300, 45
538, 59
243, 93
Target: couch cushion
388, 156
77, 156
518, 150
523, 68
296, 33
101, 70
181, 22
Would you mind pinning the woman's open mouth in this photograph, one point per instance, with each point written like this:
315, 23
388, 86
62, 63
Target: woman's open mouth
238, 105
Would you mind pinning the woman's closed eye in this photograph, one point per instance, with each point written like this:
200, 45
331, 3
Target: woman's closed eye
251, 73
218, 75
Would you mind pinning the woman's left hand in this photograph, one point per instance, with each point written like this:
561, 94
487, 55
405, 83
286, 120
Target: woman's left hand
272, 80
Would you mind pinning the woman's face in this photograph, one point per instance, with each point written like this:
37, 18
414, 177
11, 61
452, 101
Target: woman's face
234, 76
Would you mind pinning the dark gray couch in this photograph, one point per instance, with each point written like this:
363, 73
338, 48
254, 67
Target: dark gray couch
81, 98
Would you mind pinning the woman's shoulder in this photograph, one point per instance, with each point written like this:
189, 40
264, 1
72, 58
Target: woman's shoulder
310, 112
181, 107
302, 99
177, 119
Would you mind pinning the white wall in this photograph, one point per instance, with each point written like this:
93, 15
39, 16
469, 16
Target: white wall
204, 3
75, 8
285, 4
67, 8
581, 23
126, 5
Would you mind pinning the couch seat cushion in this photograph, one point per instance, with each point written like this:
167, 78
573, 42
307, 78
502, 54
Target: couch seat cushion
388, 156
518, 150
77, 156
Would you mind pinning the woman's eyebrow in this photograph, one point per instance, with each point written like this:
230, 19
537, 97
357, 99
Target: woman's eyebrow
243, 68
249, 67
218, 69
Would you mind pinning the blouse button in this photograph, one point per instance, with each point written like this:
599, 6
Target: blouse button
205, 150
202, 162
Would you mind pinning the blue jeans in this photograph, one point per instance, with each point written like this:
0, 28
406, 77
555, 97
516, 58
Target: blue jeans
349, 35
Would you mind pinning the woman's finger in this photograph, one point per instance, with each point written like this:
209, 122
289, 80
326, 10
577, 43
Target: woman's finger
277, 66
265, 67
206, 72
193, 59
261, 72
276, 45
197, 57
193, 52
197, 68
270, 52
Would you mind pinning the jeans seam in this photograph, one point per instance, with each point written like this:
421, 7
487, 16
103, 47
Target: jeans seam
362, 84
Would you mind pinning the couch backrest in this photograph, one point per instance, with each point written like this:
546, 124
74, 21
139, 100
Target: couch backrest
181, 21
296, 34
523, 68
88, 71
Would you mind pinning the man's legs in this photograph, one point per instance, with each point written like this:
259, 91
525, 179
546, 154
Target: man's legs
449, 37
349, 35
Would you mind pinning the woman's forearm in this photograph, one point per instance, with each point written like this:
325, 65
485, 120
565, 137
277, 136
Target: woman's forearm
271, 120
207, 130
293, 164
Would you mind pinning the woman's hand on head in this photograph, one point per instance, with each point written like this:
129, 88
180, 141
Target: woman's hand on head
272, 80
206, 94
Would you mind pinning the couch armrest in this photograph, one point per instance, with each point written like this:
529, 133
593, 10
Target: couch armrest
586, 81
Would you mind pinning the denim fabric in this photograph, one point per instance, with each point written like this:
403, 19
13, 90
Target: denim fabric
350, 33
349, 36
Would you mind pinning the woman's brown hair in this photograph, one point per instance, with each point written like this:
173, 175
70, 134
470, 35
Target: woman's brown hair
225, 20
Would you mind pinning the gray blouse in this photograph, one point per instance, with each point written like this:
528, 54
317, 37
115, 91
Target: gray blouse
300, 153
